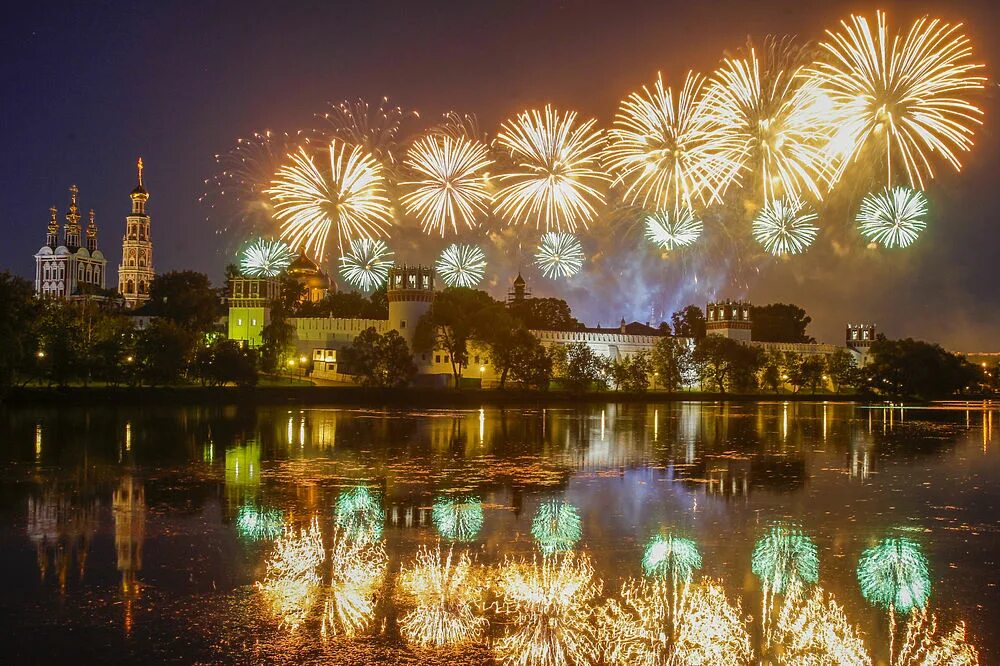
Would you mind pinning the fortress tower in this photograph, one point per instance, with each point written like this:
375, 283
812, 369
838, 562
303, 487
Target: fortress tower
410, 293
728, 318
135, 274
860, 336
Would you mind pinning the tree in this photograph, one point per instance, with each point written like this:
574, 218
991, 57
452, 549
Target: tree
451, 323
60, 343
544, 314
185, 298
276, 344
746, 363
19, 316
163, 351
715, 358
841, 368
224, 361
502, 335
915, 369
347, 305
583, 368
779, 322
631, 373
771, 374
809, 372
672, 363
689, 322
380, 360
111, 349
531, 364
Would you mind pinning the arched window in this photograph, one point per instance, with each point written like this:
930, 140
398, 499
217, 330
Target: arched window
130, 287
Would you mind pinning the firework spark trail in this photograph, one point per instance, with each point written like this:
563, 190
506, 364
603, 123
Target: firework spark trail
559, 255
359, 513
450, 187
811, 629
447, 593
556, 526
265, 257
461, 265
922, 646
671, 229
367, 264
776, 126
258, 523
668, 153
356, 573
375, 128
549, 603
893, 217
350, 197
785, 226
903, 98
458, 520
554, 182
291, 582
782, 557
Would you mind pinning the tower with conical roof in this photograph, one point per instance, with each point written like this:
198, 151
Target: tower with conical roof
135, 275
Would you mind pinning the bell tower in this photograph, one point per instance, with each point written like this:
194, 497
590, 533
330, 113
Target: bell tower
136, 271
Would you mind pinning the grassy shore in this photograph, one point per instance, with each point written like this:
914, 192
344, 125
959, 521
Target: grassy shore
272, 393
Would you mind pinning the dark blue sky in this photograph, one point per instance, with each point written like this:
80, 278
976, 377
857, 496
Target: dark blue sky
87, 87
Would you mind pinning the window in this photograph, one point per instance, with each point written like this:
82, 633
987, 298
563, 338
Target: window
446, 358
253, 322
476, 359
402, 324
423, 357
437, 358
239, 322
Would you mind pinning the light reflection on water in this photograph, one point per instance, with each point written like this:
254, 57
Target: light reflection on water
458, 536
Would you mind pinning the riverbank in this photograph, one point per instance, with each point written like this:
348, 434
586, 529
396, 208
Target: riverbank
368, 397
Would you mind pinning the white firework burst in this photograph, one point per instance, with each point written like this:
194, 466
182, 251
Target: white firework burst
671, 229
785, 226
559, 255
461, 265
893, 217
367, 264
265, 257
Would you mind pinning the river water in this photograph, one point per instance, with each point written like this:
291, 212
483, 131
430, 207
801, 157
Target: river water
272, 534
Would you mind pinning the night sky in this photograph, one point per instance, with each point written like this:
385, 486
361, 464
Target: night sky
89, 87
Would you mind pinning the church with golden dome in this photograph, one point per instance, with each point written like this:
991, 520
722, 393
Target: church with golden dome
74, 267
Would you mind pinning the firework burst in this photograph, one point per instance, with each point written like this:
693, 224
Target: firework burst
894, 575
258, 523
901, 98
559, 255
893, 217
350, 197
784, 556
359, 513
549, 604
356, 572
461, 265
554, 182
291, 582
265, 257
922, 646
811, 628
376, 129
775, 124
671, 229
446, 594
672, 557
785, 226
450, 186
666, 152
367, 265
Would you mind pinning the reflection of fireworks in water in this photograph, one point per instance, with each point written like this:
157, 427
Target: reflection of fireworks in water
893, 217
458, 521
811, 628
556, 526
666, 155
446, 594
291, 583
310, 199
367, 265
357, 571
900, 98
671, 557
554, 181
450, 185
559, 255
782, 557
670, 229
774, 121
461, 265
923, 647
893, 574
259, 524
645, 628
375, 129
265, 258
785, 226
359, 513
549, 604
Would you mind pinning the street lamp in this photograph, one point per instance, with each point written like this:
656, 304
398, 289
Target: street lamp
41, 354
